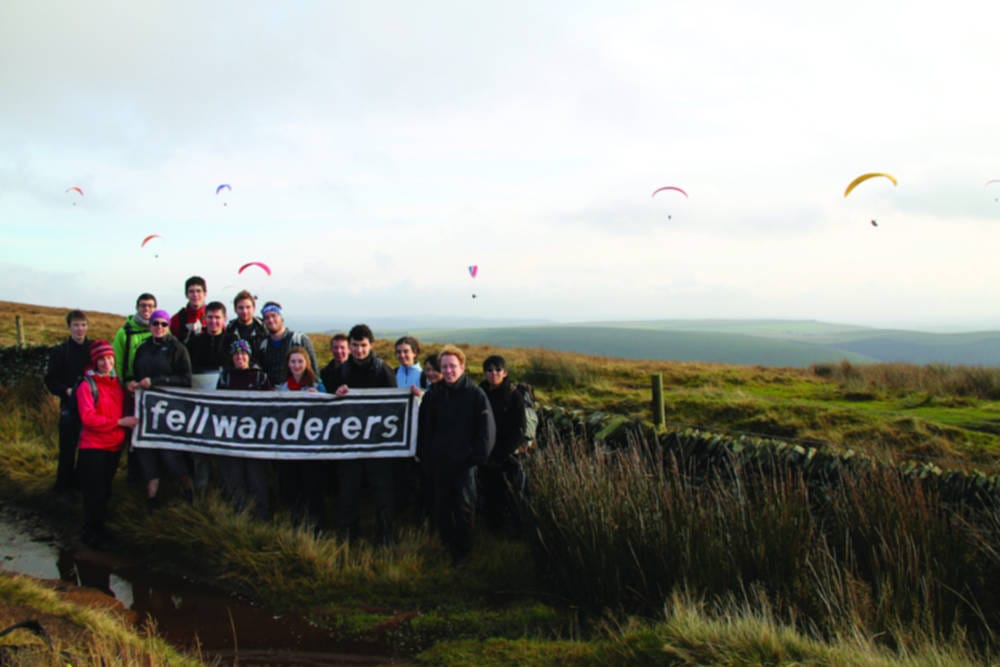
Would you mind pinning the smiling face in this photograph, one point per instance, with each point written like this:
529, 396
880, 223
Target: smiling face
495, 375
241, 360
404, 353
244, 310
145, 308
215, 322
105, 364
78, 330
360, 348
451, 368
297, 364
274, 323
340, 350
196, 296
159, 328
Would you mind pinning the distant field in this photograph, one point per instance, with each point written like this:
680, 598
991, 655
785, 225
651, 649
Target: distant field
778, 343
752, 342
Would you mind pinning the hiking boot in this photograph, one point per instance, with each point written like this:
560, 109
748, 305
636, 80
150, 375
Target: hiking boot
153, 504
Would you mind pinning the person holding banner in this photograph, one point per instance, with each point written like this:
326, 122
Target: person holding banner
242, 478
301, 483
161, 361
209, 352
456, 433
364, 370
340, 350
100, 402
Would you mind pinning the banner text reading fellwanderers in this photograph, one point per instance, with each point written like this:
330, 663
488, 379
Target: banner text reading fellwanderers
367, 423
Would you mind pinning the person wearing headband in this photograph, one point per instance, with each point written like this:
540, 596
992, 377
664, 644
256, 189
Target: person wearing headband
273, 350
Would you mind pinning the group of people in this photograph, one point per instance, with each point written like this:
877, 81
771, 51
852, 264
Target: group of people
470, 437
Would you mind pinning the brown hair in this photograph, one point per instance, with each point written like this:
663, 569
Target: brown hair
243, 295
308, 375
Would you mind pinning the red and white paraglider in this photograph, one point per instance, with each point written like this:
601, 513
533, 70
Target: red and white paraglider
78, 190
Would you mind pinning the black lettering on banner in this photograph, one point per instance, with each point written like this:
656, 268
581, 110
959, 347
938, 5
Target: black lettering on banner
367, 423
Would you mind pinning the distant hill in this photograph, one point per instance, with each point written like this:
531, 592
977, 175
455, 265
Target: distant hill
795, 343
743, 342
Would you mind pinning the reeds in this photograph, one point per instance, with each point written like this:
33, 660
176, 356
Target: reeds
870, 553
932, 379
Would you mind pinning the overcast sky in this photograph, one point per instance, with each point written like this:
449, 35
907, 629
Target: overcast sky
375, 150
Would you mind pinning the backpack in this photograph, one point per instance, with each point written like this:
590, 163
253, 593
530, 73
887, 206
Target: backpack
527, 393
93, 388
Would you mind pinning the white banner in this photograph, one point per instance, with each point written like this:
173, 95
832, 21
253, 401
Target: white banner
367, 423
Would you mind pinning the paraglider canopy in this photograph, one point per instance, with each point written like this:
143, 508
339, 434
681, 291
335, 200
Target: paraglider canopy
224, 186
668, 187
262, 265
75, 188
473, 270
148, 239
864, 177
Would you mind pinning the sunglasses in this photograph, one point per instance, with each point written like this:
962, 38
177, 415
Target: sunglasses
159, 323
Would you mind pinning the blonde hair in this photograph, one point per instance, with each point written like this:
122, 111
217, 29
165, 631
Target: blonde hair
452, 350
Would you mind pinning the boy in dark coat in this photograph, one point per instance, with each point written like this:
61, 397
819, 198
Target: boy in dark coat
67, 361
456, 433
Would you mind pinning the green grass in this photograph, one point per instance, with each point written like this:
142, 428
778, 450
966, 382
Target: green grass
864, 573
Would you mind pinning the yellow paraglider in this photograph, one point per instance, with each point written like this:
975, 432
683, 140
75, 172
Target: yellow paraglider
864, 177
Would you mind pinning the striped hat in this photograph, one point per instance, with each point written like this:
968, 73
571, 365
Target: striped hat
100, 348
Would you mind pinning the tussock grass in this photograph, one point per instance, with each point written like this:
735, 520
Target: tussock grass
934, 380
869, 554
690, 633
88, 636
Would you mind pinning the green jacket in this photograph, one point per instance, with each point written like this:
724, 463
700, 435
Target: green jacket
127, 339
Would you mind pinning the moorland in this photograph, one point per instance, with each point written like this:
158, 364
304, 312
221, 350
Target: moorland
634, 552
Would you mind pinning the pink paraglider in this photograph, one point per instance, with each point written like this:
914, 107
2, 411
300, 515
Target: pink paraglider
267, 269
473, 270
668, 187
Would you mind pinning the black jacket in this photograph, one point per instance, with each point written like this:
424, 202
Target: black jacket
371, 373
456, 426
243, 379
328, 375
252, 334
508, 413
271, 355
209, 353
166, 363
67, 362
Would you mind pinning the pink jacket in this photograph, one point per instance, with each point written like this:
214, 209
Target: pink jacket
100, 422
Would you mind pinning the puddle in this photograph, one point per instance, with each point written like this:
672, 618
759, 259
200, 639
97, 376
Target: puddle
186, 613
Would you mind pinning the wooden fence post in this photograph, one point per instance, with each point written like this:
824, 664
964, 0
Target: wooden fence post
20, 331
658, 416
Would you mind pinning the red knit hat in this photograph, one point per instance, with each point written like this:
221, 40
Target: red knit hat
100, 348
